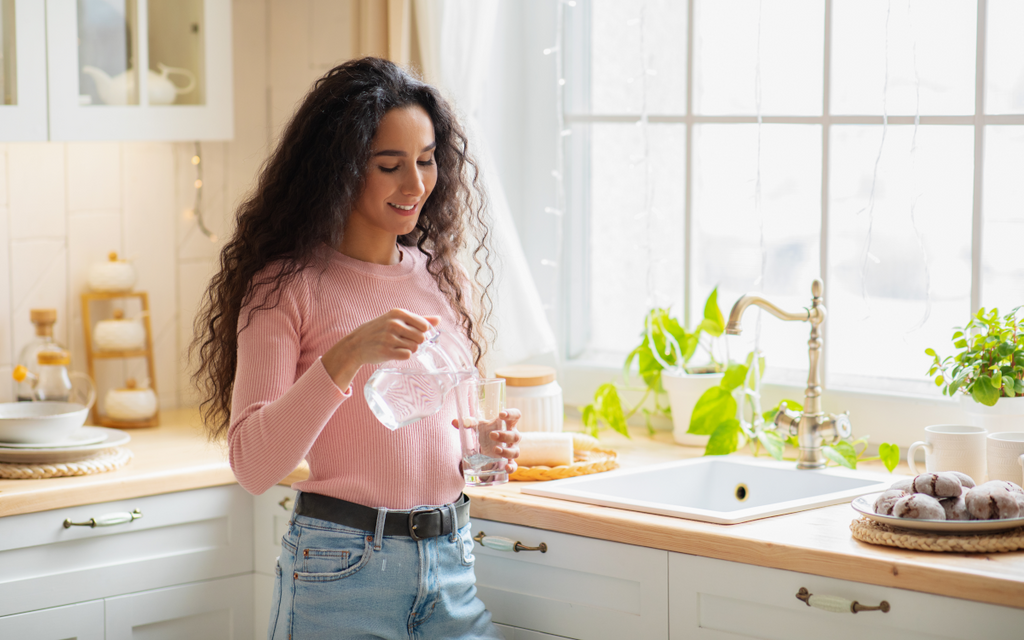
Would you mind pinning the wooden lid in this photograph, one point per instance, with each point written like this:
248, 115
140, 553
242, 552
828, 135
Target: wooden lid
525, 375
46, 316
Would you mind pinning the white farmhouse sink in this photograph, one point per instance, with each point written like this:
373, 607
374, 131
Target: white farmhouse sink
723, 490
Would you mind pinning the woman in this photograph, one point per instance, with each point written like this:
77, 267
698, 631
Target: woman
342, 259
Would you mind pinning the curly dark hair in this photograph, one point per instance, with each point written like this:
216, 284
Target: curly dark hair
302, 200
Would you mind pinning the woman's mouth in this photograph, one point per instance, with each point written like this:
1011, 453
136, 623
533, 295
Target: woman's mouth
404, 209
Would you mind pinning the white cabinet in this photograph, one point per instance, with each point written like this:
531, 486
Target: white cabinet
719, 600
271, 515
74, 622
22, 70
182, 569
579, 588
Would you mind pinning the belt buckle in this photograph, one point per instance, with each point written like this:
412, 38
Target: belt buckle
412, 524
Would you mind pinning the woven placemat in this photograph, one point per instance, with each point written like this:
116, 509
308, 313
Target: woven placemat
593, 461
105, 460
877, 533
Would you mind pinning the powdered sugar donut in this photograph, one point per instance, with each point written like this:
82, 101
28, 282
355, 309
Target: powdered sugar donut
919, 506
887, 500
956, 508
939, 485
992, 501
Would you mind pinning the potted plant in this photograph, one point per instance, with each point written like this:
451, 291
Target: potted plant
663, 357
987, 371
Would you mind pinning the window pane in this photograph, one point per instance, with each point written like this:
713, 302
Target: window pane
8, 79
176, 53
1003, 218
617, 56
726, 60
917, 280
727, 228
937, 37
1004, 58
624, 280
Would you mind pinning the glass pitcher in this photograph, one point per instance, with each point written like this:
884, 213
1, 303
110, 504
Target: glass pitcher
54, 383
405, 392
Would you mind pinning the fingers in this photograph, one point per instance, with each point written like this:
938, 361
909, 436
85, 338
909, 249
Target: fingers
508, 443
417, 322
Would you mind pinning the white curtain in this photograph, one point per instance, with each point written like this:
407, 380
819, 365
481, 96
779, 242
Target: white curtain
455, 42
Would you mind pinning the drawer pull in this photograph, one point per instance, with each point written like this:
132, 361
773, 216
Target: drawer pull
107, 520
499, 543
835, 604
285, 503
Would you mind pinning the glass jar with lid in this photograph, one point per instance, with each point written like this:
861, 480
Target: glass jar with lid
43, 319
534, 391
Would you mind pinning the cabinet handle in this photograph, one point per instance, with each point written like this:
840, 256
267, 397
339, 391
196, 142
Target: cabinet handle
835, 604
284, 503
499, 543
106, 520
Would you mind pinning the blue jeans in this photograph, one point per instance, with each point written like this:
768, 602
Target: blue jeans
337, 582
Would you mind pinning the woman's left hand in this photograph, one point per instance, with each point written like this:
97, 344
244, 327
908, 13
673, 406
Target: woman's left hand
508, 438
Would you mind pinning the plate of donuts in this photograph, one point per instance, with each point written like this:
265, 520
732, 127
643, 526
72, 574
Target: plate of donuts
946, 502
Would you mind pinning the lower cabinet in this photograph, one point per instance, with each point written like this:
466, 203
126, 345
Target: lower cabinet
74, 622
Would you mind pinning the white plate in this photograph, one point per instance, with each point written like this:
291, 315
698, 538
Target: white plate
865, 505
114, 438
81, 437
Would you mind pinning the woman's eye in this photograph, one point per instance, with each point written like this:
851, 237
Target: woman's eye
389, 169
425, 163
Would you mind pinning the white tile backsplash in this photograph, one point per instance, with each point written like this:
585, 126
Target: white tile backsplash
39, 280
36, 189
94, 176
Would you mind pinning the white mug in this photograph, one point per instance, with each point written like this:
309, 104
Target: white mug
1006, 457
952, 447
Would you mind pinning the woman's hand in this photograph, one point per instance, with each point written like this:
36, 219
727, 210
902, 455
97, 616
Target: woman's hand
394, 335
508, 438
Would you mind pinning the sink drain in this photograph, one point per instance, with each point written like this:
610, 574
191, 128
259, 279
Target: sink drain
742, 492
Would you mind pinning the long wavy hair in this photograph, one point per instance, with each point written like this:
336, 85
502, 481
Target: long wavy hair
302, 200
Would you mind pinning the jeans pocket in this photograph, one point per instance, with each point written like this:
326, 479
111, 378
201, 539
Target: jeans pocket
275, 603
332, 559
466, 546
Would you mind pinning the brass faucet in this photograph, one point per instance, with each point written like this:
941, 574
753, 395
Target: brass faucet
812, 428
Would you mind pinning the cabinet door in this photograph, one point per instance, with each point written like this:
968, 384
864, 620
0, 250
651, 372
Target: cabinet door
76, 622
22, 70
181, 537
514, 633
214, 610
579, 588
271, 514
718, 600
139, 69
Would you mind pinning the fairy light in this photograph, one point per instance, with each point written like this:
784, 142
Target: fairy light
196, 212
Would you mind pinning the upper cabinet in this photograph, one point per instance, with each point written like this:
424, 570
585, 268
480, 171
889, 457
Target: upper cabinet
116, 70
22, 70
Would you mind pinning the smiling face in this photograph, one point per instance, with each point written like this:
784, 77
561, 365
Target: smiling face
400, 178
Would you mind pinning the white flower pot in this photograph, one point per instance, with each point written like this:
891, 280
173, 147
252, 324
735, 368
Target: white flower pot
684, 390
1007, 414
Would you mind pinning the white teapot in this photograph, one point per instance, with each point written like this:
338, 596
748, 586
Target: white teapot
112, 275
161, 89
119, 333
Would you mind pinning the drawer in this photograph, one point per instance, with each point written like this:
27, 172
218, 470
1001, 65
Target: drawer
716, 599
181, 537
271, 513
580, 588
82, 621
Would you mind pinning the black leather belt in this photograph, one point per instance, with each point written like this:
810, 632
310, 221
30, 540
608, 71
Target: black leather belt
417, 523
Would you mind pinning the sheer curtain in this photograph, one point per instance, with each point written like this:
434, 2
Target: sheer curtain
455, 38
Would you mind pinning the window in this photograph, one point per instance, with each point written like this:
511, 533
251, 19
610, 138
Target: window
755, 145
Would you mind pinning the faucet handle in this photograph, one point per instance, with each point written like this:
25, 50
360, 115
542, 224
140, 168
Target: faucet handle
842, 425
787, 419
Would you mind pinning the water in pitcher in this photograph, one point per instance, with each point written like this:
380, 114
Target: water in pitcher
400, 397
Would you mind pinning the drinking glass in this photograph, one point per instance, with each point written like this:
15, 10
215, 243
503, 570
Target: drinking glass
478, 403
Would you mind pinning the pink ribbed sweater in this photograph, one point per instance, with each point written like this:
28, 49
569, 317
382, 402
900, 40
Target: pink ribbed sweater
286, 407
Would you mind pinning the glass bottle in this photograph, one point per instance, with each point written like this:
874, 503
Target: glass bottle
43, 319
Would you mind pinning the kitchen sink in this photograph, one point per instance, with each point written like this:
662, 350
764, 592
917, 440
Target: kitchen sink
719, 489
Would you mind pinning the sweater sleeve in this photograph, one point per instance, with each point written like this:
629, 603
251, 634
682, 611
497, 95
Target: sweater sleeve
275, 416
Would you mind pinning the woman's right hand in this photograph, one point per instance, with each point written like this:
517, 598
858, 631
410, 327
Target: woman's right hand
394, 335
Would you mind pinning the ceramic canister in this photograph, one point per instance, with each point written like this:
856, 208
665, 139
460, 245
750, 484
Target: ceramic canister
112, 275
119, 334
533, 390
131, 403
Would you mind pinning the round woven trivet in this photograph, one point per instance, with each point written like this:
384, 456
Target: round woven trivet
592, 461
877, 533
105, 460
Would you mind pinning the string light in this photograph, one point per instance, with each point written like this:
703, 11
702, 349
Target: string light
196, 212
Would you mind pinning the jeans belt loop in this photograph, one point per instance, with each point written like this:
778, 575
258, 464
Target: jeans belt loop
378, 532
453, 518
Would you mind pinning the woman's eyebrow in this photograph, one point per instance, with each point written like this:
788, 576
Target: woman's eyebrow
402, 154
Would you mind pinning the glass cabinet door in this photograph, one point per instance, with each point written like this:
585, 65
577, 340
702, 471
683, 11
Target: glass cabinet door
22, 70
139, 69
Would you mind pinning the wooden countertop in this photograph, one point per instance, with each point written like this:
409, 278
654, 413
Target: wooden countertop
175, 457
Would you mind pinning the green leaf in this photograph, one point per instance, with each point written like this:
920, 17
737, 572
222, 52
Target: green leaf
714, 407
760, 362
931, 352
650, 369
960, 344
939, 380
734, 377
609, 408
838, 457
773, 443
725, 438
984, 392
714, 321
890, 455
589, 417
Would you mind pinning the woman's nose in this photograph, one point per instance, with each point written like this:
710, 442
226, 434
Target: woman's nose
413, 184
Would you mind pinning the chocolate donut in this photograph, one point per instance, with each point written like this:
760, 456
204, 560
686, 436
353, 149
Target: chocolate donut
992, 501
956, 508
919, 506
885, 502
905, 485
965, 480
939, 485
